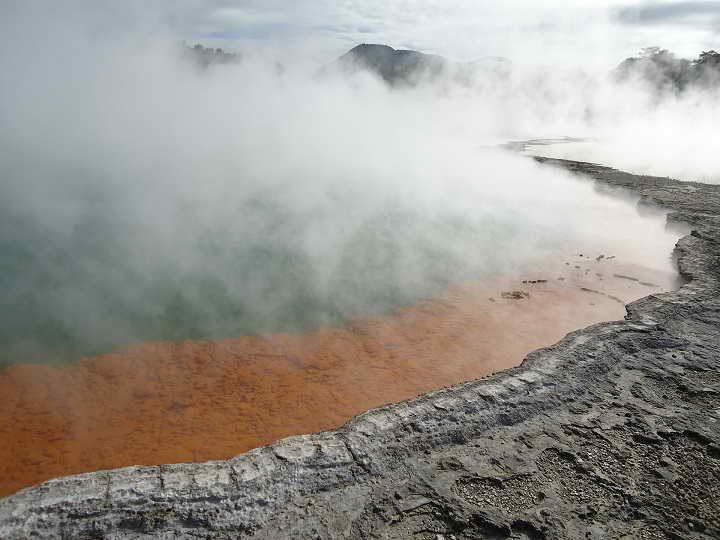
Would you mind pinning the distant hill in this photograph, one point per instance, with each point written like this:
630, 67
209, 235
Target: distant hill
407, 67
664, 71
394, 66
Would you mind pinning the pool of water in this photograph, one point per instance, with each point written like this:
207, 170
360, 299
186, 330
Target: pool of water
286, 260
271, 318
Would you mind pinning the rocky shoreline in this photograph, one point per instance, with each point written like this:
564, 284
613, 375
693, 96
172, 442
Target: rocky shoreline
613, 432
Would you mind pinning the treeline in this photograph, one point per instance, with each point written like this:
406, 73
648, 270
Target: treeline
664, 71
659, 68
207, 56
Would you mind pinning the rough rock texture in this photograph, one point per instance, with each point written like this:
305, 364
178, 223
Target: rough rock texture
614, 432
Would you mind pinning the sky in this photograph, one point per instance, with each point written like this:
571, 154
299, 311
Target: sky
596, 32
592, 33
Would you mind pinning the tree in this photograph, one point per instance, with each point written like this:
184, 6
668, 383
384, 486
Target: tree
658, 67
204, 57
706, 69
708, 59
655, 53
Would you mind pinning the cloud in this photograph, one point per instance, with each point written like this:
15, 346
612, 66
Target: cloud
595, 34
698, 13
592, 33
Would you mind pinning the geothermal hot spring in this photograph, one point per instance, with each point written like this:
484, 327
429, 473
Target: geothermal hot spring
292, 312
194, 266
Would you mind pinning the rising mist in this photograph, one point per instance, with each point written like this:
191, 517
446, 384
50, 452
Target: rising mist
145, 198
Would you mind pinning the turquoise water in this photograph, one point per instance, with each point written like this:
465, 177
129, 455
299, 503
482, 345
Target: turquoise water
103, 281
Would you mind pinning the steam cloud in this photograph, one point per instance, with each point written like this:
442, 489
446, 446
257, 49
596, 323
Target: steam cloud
144, 199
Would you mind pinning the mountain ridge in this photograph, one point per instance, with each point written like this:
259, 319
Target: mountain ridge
409, 67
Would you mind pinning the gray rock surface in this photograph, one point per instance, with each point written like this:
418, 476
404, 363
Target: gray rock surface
614, 432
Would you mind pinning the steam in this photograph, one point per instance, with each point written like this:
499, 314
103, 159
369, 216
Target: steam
634, 130
144, 199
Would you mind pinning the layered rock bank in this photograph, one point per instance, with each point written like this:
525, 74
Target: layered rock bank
613, 432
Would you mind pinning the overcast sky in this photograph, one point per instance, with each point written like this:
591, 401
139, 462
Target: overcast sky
595, 32
605, 31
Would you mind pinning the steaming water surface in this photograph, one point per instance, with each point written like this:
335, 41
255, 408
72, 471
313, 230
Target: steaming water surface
269, 263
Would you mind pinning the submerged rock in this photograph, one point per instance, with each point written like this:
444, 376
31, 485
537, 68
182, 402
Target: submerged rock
514, 295
614, 431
